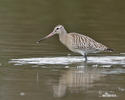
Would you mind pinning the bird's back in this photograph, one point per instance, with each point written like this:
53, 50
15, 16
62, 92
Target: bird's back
84, 43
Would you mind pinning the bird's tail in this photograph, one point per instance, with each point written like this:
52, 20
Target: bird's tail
109, 50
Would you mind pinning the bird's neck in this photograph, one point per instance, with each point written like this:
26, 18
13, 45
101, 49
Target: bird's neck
62, 37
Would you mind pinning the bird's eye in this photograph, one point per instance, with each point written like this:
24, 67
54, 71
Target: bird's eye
57, 28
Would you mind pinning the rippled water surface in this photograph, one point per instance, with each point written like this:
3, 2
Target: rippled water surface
49, 71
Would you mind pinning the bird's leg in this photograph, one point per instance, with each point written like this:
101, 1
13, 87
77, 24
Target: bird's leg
85, 55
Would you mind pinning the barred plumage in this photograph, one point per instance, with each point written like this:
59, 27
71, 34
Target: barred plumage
77, 42
86, 43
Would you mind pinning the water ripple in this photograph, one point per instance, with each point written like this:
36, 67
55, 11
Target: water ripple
120, 60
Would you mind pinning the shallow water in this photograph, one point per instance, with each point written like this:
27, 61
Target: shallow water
119, 60
31, 71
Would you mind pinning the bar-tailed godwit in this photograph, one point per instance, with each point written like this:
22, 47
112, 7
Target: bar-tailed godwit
77, 43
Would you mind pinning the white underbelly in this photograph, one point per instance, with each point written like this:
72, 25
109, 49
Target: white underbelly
82, 52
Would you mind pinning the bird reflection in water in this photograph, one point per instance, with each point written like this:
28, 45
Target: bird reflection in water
76, 80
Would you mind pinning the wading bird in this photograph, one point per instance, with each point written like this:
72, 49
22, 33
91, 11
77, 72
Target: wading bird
77, 43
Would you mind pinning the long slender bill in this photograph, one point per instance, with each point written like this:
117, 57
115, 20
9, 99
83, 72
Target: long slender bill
50, 35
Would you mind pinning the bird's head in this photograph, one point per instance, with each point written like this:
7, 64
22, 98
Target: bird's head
57, 30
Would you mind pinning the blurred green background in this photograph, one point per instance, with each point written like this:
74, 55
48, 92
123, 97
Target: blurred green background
23, 22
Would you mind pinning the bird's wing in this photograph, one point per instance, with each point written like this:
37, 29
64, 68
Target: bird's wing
84, 42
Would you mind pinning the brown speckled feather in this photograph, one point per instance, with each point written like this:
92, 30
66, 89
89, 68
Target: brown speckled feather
83, 42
